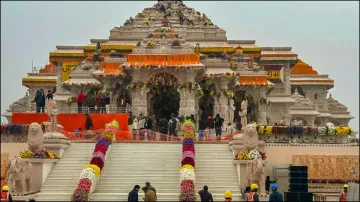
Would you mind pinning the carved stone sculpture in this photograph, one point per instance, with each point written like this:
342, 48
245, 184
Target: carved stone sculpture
231, 110
255, 172
20, 173
35, 137
52, 112
250, 139
243, 113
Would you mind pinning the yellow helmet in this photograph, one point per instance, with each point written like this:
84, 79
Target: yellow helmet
254, 186
227, 194
346, 186
5, 188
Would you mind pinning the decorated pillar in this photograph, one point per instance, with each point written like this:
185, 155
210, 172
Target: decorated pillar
139, 94
187, 94
221, 106
263, 107
287, 78
287, 115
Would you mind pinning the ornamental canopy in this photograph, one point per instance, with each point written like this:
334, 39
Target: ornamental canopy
253, 80
162, 59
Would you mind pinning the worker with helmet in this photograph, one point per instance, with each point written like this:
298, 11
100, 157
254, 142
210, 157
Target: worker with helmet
253, 195
5, 195
227, 196
343, 194
275, 196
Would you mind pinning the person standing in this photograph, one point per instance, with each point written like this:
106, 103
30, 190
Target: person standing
155, 124
163, 124
147, 184
135, 127
43, 100
230, 129
88, 122
253, 195
80, 100
148, 127
205, 195
218, 122
172, 125
268, 182
37, 101
107, 103
275, 196
202, 128
246, 193
133, 195
343, 194
49, 95
5, 195
149, 194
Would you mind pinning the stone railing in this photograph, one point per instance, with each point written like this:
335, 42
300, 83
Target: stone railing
305, 134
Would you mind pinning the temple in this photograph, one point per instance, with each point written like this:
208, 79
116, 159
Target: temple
179, 62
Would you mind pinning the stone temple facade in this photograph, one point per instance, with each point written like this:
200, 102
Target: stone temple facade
172, 59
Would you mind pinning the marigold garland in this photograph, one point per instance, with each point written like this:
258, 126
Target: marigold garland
187, 166
95, 168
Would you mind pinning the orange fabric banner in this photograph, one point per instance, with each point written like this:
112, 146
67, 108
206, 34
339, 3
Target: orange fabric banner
70, 122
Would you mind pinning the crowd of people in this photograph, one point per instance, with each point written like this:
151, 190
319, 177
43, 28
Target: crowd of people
94, 104
139, 125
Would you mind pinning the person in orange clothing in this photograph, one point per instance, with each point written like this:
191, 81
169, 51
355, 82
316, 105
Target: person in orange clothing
5, 195
253, 195
343, 194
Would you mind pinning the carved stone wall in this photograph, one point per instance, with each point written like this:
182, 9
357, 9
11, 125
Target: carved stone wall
329, 167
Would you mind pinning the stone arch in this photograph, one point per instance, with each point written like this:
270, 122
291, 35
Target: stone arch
299, 90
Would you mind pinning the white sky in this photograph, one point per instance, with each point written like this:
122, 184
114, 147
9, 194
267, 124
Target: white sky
324, 34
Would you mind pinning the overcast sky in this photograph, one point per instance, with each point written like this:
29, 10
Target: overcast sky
324, 34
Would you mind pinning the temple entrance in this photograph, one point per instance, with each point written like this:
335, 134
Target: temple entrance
163, 97
207, 101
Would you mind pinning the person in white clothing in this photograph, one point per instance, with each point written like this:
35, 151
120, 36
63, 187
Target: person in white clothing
135, 127
230, 129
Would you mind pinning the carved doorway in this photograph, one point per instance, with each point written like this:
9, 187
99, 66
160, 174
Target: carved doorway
163, 97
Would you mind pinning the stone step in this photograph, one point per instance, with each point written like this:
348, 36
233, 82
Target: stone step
150, 169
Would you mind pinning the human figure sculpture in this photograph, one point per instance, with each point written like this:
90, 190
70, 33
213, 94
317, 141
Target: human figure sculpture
255, 173
243, 114
20, 173
35, 137
231, 110
52, 112
250, 139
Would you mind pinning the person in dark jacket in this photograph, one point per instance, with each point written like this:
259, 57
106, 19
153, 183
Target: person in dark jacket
202, 128
49, 95
43, 99
37, 101
163, 125
88, 122
205, 196
268, 182
148, 127
133, 195
107, 103
218, 122
275, 196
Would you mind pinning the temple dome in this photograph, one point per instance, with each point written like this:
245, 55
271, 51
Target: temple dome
302, 68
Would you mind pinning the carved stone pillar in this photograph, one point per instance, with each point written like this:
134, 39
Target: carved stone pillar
187, 97
262, 108
287, 115
221, 106
287, 79
139, 102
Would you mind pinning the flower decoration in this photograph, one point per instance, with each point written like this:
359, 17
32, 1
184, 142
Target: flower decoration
242, 156
188, 196
100, 148
89, 173
84, 184
188, 141
26, 154
188, 154
80, 195
98, 161
189, 148
254, 154
189, 161
108, 134
187, 166
104, 141
40, 154
189, 134
113, 123
263, 156
187, 185
95, 168
187, 174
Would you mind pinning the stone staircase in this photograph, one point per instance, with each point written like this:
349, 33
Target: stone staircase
214, 168
130, 164
64, 176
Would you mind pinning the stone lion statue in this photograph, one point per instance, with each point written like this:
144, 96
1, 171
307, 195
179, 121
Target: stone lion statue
255, 173
250, 139
35, 137
20, 173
